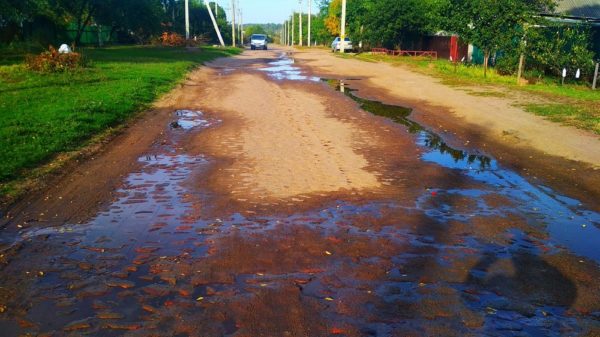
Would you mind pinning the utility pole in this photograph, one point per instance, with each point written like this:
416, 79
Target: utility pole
214, 21
309, 21
293, 27
300, 26
343, 26
216, 10
187, 19
233, 23
241, 27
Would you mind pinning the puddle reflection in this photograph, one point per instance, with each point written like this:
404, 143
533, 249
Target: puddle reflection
283, 69
568, 222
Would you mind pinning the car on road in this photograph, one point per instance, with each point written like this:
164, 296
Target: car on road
335, 45
259, 41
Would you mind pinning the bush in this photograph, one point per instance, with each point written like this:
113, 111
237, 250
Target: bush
52, 61
508, 64
172, 40
553, 48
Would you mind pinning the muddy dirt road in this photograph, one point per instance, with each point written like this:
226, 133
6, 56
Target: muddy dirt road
261, 200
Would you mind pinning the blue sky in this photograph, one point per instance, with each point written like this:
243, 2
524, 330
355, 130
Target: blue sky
268, 11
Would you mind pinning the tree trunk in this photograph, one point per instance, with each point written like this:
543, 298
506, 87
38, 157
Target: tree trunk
486, 57
81, 27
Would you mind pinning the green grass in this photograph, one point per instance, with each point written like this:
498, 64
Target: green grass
573, 104
581, 116
42, 115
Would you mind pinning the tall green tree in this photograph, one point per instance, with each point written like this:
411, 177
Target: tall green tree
492, 25
392, 23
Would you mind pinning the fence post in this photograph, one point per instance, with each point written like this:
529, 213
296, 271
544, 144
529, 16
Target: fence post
520, 71
595, 76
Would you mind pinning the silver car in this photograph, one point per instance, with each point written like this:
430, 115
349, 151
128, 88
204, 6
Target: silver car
335, 45
258, 41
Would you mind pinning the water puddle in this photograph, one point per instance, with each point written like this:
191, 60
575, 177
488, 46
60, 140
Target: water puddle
188, 119
568, 222
283, 69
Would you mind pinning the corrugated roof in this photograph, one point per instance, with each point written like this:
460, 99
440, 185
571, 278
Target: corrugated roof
589, 9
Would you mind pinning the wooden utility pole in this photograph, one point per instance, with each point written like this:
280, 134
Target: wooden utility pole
343, 28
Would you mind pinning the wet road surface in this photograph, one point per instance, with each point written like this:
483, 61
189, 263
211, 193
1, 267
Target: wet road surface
449, 242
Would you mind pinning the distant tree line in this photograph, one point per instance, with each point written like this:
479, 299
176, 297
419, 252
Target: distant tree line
124, 21
507, 27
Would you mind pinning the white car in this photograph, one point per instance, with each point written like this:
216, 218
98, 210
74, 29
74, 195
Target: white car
335, 45
258, 41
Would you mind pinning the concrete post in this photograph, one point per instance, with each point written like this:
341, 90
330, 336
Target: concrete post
595, 76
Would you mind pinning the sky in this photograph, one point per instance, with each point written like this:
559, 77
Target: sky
268, 11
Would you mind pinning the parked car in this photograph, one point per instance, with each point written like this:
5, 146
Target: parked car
335, 45
258, 41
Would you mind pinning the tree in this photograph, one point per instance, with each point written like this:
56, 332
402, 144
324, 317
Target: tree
491, 25
139, 19
392, 23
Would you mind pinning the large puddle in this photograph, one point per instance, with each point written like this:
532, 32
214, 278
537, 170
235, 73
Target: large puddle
568, 222
284, 69
458, 262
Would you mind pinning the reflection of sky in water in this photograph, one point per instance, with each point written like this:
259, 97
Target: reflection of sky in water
283, 70
187, 119
567, 221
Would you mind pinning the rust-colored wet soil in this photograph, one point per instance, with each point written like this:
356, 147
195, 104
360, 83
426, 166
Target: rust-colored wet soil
432, 249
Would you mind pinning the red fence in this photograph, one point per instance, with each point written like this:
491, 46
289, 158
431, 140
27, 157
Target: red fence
414, 53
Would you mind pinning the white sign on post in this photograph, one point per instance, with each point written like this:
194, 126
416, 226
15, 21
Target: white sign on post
578, 73
564, 73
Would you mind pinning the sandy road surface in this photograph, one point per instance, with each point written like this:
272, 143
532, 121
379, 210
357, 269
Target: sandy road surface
288, 146
255, 200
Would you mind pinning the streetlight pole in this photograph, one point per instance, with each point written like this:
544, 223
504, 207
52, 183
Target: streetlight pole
187, 19
343, 26
300, 25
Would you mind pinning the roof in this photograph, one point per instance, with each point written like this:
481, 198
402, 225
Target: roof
585, 9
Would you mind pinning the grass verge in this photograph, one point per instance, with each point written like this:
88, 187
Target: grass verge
572, 104
44, 115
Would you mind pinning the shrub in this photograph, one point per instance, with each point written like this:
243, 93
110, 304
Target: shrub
172, 40
52, 61
176, 40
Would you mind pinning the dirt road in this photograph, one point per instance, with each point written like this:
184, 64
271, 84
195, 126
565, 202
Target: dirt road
259, 200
